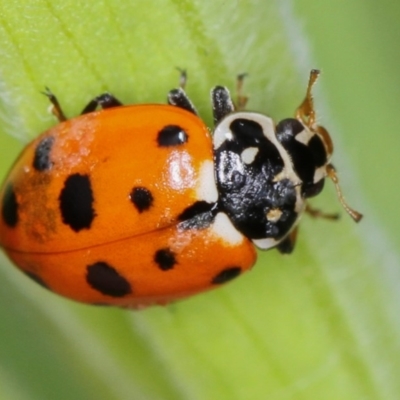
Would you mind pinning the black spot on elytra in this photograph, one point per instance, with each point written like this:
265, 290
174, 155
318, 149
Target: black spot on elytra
141, 198
76, 202
172, 135
226, 275
9, 206
165, 259
36, 278
41, 159
106, 279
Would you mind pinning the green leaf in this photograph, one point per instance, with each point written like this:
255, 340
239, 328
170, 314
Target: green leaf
320, 324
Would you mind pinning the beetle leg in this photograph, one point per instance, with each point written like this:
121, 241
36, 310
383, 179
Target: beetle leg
182, 77
316, 213
178, 97
105, 100
56, 109
222, 103
241, 100
286, 246
331, 173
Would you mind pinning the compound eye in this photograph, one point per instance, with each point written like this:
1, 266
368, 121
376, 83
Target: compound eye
313, 189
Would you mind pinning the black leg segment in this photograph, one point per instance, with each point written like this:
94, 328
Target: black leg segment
178, 98
222, 103
286, 246
105, 100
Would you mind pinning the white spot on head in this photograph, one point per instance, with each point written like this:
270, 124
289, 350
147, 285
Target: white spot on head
223, 228
304, 136
248, 155
320, 173
207, 189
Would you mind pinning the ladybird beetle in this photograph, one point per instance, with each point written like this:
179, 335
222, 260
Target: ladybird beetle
139, 205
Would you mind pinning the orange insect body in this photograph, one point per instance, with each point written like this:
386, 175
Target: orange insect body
138, 205
112, 153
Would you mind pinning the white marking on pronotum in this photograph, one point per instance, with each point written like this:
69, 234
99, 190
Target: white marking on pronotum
224, 229
268, 129
222, 134
265, 244
248, 155
207, 189
274, 214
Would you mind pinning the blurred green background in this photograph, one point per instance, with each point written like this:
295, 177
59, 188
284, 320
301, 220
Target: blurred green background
320, 324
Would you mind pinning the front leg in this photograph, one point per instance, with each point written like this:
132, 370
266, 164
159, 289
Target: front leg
178, 98
105, 100
56, 109
286, 246
222, 104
